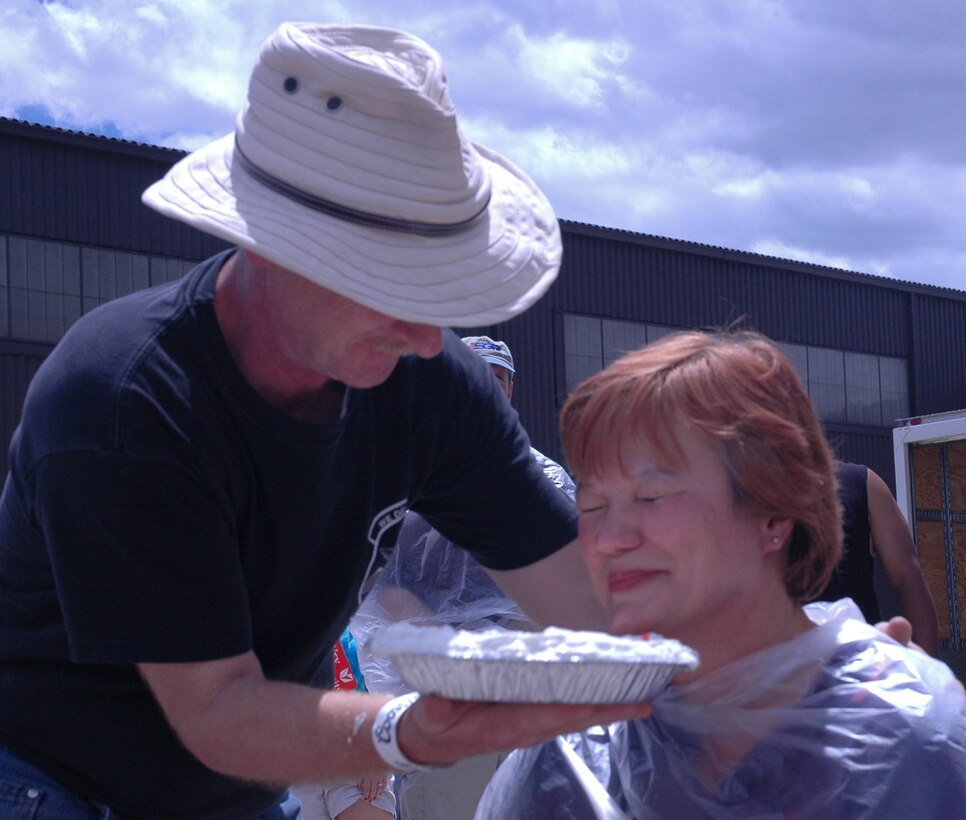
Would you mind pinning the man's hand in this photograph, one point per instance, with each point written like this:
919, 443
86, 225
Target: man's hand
900, 630
437, 731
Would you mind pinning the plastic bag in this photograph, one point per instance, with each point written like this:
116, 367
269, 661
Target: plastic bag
840, 722
428, 580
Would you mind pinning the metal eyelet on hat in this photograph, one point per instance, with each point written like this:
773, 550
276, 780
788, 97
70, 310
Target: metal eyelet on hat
291, 85
334, 103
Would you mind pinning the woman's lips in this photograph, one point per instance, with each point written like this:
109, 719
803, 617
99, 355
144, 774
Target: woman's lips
630, 579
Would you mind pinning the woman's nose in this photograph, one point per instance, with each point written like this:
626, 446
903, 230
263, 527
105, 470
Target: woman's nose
615, 532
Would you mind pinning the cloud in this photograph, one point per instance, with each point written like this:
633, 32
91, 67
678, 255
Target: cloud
575, 71
132, 65
825, 131
777, 248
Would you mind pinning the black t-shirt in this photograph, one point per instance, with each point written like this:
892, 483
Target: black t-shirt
158, 510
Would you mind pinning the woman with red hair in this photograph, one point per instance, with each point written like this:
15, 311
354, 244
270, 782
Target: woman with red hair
709, 514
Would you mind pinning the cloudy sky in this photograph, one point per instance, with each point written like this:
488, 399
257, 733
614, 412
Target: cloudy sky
832, 131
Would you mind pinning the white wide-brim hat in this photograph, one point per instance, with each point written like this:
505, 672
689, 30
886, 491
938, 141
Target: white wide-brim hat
348, 167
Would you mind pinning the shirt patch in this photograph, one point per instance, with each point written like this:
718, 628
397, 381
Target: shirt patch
384, 519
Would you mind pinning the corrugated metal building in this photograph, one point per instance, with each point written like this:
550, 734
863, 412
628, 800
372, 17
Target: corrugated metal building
73, 234
870, 349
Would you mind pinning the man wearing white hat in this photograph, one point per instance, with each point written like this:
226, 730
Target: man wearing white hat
206, 473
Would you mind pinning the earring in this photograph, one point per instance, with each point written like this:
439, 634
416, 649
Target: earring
775, 539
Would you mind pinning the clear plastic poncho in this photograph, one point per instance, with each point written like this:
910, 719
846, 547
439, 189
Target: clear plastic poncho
841, 722
428, 580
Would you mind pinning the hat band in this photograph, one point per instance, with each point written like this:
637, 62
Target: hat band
348, 214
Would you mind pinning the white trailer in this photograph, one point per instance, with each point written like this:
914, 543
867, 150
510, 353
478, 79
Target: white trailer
930, 459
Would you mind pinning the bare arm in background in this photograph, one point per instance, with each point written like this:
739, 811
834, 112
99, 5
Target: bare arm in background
893, 544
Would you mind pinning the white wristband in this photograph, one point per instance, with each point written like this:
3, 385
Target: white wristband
384, 736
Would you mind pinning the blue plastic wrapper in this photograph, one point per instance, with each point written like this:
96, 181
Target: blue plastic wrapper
841, 722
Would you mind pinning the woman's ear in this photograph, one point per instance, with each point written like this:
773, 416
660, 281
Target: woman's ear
776, 532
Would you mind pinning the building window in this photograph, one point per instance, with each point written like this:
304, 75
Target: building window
846, 387
826, 382
583, 348
852, 388
592, 343
46, 286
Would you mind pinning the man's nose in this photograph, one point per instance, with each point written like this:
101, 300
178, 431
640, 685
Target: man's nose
425, 340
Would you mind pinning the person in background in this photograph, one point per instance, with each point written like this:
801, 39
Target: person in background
709, 514
430, 580
369, 798
874, 526
498, 356
206, 473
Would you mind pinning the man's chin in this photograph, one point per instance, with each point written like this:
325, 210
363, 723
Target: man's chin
372, 377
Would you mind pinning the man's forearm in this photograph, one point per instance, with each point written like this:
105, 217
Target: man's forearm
283, 733
268, 731
555, 591
238, 723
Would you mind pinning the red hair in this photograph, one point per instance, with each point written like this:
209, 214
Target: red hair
738, 390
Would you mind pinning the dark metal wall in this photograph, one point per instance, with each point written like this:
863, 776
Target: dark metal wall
76, 188
640, 278
83, 189
690, 286
18, 364
939, 344
80, 188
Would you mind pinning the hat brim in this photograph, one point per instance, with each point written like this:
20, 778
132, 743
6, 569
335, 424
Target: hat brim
497, 361
491, 272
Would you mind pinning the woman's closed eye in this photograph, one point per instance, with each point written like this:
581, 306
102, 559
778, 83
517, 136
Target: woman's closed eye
588, 502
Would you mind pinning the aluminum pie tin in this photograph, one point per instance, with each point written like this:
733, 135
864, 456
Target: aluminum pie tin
553, 666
